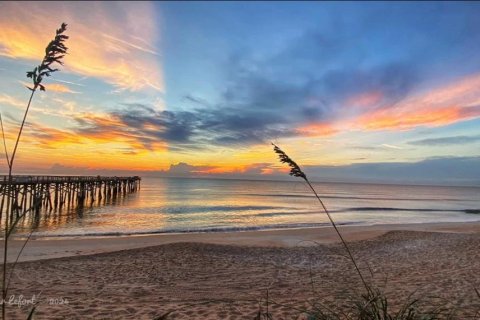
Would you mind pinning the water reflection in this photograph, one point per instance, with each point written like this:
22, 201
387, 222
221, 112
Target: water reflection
179, 205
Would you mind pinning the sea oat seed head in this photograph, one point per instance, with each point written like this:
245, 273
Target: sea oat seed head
294, 167
54, 52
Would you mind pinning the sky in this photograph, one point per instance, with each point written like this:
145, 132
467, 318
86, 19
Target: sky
351, 91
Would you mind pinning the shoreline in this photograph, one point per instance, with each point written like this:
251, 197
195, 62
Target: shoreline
61, 247
228, 230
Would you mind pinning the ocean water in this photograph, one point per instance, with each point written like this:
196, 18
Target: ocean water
168, 205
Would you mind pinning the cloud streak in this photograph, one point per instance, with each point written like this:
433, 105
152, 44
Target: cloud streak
58, 87
110, 41
6, 99
445, 141
445, 105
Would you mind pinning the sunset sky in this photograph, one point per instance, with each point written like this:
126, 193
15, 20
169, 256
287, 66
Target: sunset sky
349, 90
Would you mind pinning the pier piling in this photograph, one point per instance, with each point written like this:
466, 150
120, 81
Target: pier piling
34, 193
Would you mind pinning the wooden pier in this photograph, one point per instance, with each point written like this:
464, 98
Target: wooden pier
33, 193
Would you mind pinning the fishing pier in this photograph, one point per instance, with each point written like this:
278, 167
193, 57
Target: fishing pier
30, 194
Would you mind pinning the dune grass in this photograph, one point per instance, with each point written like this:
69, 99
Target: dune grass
372, 304
54, 54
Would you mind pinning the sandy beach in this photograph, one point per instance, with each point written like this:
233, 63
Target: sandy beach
227, 275
192, 160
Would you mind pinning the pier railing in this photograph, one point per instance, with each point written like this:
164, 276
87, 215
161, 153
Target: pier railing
19, 179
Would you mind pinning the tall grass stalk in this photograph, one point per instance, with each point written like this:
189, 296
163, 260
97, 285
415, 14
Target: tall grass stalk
54, 53
296, 171
373, 304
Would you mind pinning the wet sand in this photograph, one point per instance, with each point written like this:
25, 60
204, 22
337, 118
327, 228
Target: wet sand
64, 247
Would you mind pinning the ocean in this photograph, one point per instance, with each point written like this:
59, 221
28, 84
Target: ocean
174, 205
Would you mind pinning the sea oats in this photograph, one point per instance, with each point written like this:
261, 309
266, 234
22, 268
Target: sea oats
54, 52
295, 169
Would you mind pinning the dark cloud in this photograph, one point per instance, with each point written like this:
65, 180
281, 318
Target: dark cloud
137, 106
393, 81
196, 100
267, 98
445, 141
142, 124
183, 130
184, 169
328, 65
254, 109
271, 98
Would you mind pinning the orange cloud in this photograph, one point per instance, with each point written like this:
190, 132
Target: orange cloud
58, 87
442, 106
267, 171
464, 92
275, 170
283, 170
55, 87
110, 41
52, 138
404, 120
109, 130
222, 169
317, 129
254, 168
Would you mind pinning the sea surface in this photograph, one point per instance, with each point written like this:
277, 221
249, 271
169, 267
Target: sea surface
172, 205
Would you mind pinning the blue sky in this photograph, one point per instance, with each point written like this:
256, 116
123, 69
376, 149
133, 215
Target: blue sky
210, 84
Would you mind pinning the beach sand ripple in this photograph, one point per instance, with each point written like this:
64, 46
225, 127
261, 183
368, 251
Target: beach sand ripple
213, 281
